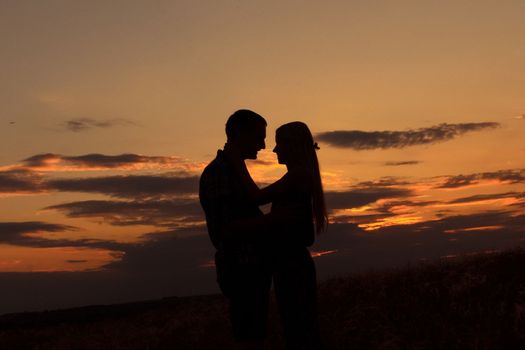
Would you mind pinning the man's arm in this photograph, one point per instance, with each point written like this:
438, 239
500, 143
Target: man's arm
216, 196
265, 225
260, 195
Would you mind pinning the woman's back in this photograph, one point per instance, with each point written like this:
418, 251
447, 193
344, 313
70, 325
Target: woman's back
297, 198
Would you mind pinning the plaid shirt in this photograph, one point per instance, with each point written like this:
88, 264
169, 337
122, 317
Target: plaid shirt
224, 200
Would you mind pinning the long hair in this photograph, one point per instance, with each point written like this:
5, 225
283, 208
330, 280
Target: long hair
299, 141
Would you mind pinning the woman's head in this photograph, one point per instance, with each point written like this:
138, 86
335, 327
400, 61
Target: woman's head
295, 146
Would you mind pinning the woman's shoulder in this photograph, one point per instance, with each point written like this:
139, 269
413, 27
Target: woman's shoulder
299, 179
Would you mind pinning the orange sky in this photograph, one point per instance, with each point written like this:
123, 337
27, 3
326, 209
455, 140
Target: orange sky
111, 110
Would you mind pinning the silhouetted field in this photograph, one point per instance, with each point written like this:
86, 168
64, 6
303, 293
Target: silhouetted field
472, 302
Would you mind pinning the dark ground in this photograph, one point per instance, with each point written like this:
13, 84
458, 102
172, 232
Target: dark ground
472, 302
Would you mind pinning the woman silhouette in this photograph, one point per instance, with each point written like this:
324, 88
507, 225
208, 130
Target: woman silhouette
298, 194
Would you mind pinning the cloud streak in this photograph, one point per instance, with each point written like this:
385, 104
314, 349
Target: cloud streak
17, 232
20, 182
161, 213
32, 234
83, 124
509, 176
368, 140
406, 162
130, 186
96, 161
359, 197
485, 197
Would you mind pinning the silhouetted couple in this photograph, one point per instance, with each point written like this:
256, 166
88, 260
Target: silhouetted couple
253, 248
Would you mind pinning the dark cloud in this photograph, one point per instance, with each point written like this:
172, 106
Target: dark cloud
359, 197
82, 124
381, 211
407, 162
501, 221
386, 181
170, 213
359, 219
173, 263
20, 181
511, 176
122, 186
398, 245
484, 197
150, 270
130, 186
96, 160
16, 232
23, 234
459, 181
366, 140
388, 206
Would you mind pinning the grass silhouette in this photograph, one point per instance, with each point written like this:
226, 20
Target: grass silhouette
469, 302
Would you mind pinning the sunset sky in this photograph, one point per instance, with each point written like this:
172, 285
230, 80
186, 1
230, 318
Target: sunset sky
110, 111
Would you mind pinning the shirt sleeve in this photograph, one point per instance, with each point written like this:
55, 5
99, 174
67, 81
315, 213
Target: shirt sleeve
216, 196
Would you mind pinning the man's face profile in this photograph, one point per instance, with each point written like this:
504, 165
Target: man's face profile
252, 141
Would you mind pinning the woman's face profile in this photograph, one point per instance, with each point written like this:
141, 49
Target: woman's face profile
281, 150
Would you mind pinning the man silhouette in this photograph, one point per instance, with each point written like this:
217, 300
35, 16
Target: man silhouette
234, 226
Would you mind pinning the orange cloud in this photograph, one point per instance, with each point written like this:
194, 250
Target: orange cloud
479, 228
316, 254
391, 221
54, 259
50, 162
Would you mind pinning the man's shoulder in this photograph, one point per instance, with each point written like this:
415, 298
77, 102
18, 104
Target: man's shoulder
216, 177
217, 165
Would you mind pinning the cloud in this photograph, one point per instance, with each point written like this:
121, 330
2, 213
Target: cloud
406, 162
120, 186
485, 197
510, 176
32, 234
385, 181
96, 161
155, 268
82, 124
359, 197
130, 186
359, 219
20, 181
161, 213
501, 221
16, 233
150, 270
387, 206
367, 140
400, 244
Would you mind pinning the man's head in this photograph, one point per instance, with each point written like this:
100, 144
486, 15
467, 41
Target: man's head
246, 130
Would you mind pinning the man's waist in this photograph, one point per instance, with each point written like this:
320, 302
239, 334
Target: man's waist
241, 253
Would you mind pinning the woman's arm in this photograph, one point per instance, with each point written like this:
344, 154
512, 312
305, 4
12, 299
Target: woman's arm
261, 195
264, 225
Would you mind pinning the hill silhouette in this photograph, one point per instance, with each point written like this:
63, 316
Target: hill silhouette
474, 301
